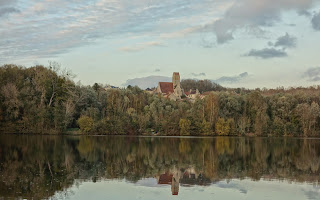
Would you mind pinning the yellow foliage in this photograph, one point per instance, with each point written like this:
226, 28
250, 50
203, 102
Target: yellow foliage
223, 145
85, 123
184, 146
222, 127
184, 125
85, 146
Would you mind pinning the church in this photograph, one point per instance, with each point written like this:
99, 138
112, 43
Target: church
171, 90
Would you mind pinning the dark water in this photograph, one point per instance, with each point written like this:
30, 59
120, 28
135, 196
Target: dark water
66, 167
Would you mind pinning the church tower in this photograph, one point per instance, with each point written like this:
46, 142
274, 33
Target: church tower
176, 79
176, 84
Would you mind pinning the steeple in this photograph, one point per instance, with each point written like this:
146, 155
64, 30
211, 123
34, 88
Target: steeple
176, 84
176, 80
172, 89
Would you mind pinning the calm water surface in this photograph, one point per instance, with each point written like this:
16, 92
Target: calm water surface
80, 167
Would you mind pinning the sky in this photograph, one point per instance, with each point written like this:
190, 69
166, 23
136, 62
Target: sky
239, 43
232, 189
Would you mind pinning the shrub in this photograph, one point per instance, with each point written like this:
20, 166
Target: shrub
85, 123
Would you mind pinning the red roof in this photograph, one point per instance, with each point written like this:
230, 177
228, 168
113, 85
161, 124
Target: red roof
165, 178
166, 87
176, 73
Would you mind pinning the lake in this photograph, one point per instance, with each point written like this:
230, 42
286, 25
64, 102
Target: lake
122, 167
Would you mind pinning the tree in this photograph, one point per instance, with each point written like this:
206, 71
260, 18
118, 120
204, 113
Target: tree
258, 112
309, 117
85, 123
222, 127
11, 101
184, 125
212, 108
205, 128
201, 85
96, 87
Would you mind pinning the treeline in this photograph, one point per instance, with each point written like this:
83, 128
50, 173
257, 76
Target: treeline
201, 85
46, 100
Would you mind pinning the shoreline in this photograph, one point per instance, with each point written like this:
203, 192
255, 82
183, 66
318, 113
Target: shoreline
157, 136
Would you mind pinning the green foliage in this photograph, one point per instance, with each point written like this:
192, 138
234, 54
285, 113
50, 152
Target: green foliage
45, 100
201, 85
85, 123
222, 127
184, 125
205, 128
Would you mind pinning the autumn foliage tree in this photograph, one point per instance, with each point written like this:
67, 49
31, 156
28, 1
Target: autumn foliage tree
85, 123
43, 99
184, 125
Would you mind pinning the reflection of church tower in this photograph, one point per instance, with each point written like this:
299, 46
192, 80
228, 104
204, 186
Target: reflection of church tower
175, 186
176, 84
170, 179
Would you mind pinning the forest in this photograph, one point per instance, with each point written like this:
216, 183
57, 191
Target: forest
46, 100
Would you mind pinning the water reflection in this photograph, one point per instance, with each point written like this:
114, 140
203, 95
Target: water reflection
40, 166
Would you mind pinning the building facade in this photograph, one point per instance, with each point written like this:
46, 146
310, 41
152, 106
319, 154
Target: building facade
171, 90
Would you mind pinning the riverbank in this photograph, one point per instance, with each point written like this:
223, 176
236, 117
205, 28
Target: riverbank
77, 132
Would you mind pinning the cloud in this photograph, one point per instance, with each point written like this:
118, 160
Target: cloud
7, 7
157, 70
45, 29
286, 41
304, 13
181, 33
267, 53
312, 194
232, 79
141, 46
4, 3
199, 74
312, 74
147, 82
232, 185
208, 41
8, 10
316, 22
253, 13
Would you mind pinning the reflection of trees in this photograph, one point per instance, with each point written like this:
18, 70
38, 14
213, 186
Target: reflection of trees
39, 166
184, 146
